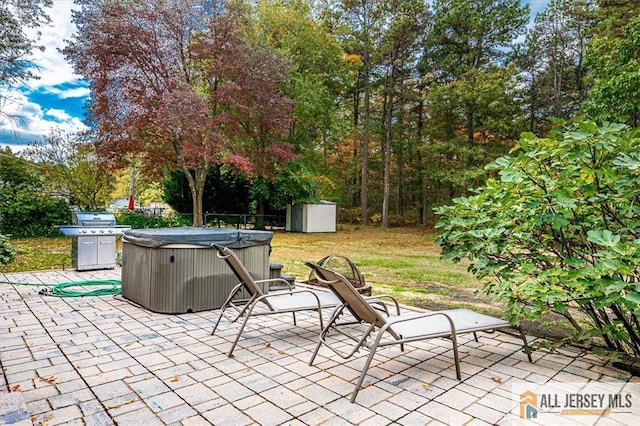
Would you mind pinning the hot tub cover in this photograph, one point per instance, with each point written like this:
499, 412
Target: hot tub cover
232, 238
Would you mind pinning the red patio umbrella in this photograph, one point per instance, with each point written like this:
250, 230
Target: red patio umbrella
131, 203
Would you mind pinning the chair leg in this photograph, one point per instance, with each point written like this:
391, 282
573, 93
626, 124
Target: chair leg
294, 318
320, 317
244, 323
325, 330
315, 351
456, 357
229, 302
215, 326
475, 336
363, 373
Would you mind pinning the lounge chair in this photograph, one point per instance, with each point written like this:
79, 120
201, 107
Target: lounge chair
395, 330
258, 303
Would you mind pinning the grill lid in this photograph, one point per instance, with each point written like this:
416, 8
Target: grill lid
100, 219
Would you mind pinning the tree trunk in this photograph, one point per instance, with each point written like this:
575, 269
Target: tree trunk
196, 185
400, 197
421, 166
260, 209
364, 196
387, 153
470, 126
198, 217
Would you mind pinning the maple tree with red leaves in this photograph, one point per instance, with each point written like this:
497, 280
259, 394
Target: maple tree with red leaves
175, 84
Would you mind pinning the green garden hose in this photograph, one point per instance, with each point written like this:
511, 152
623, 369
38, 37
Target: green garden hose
106, 288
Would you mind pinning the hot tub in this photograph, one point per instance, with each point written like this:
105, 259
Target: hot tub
175, 270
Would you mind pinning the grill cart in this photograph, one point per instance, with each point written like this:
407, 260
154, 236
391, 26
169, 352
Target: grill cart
93, 240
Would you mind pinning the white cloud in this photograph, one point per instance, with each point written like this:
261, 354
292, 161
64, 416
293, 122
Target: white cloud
76, 92
23, 121
32, 118
53, 68
58, 114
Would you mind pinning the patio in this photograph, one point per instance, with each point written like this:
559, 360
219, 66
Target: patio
104, 361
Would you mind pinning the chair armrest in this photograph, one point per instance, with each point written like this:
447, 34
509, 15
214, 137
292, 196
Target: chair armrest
278, 280
384, 296
292, 291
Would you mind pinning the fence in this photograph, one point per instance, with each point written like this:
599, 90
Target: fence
244, 221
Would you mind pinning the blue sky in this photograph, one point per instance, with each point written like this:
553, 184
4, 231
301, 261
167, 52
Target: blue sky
57, 98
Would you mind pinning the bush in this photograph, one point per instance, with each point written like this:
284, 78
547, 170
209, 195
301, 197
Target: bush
559, 232
140, 221
28, 212
7, 253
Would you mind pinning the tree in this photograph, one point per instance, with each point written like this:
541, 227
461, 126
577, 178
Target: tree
558, 232
16, 16
553, 59
470, 91
615, 69
468, 37
614, 15
399, 49
457, 164
228, 192
176, 83
318, 70
16, 171
72, 169
363, 19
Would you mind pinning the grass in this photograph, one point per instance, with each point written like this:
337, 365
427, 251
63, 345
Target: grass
404, 262
37, 254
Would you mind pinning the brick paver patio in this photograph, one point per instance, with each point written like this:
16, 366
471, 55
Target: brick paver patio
103, 361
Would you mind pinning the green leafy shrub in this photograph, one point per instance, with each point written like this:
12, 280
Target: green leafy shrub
559, 232
27, 212
7, 253
27, 208
140, 221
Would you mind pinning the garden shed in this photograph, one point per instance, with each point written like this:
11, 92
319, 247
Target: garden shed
311, 217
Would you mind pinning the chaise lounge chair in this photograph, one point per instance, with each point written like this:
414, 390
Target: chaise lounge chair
259, 303
395, 330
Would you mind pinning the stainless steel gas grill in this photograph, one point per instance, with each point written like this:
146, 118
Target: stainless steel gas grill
93, 240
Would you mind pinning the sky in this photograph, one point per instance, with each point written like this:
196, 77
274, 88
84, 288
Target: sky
56, 100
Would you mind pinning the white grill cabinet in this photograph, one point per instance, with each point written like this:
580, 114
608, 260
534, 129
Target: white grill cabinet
176, 270
93, 240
